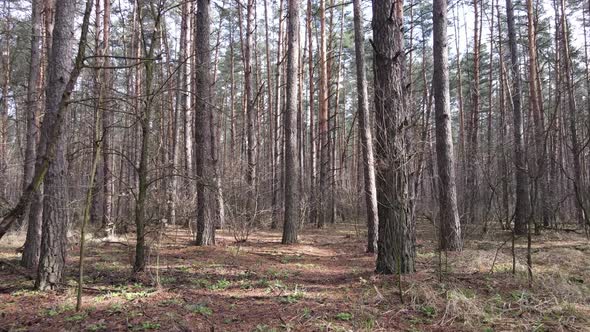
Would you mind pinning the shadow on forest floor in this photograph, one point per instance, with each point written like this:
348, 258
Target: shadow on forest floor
324, 283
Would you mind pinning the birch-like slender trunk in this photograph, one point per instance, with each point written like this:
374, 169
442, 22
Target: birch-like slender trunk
365, 130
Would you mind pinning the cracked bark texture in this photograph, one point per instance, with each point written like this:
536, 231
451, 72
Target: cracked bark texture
55, 216
397, 235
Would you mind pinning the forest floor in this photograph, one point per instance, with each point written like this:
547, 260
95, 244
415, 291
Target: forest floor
324, 283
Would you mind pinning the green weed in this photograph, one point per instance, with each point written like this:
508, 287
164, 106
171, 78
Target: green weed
200, 309
220, 285
344, 316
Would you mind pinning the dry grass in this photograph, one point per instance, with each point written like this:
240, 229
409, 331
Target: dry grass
324, 283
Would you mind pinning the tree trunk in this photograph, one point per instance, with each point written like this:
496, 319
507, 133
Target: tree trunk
55, 218
205, 185
522, 207
250, 106
107, 120
179, 108
312, 135
291, 221
31, 252
271, 113
232, 116
188, 113
97, 208
450, 233
276, 187
471, 159
503, 160
365, 130
535, 104
396, 245
572, 108
323, 121
145, 121
461, 138
6, 64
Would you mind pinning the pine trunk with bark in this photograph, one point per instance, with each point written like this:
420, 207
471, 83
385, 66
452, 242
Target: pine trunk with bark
276, 181
31, 251
180, 107
522, 207
206, 192
292, 211
397, 235
145, 121
578, 185
313, 211
535, 102
6, 68
450, 227
251, 116
471, 159
51, 167
107, 121
324, 134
